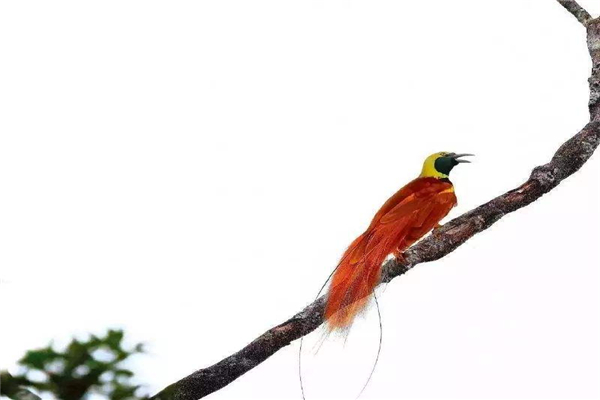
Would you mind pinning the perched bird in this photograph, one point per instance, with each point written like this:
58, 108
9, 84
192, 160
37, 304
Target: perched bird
406, 217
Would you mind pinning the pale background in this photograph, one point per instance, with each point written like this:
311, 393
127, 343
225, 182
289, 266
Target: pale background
191, 171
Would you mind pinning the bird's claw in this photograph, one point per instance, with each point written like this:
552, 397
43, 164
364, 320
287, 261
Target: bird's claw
399, 256
436, 229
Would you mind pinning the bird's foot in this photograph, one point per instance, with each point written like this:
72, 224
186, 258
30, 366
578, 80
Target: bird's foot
399, 256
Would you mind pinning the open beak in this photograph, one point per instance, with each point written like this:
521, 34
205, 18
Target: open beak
457, 156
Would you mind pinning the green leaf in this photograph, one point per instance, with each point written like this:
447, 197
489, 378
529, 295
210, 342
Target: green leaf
38, 359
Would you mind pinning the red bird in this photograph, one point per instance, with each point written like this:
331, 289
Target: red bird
406, 217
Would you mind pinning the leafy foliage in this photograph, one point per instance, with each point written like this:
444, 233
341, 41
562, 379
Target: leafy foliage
83, 368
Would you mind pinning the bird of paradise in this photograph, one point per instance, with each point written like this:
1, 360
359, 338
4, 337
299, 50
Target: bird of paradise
406, 217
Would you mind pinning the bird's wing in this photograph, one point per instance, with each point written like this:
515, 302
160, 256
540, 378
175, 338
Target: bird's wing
409, 220
416, 206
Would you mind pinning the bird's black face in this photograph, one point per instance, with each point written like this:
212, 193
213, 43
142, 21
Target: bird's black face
445, 163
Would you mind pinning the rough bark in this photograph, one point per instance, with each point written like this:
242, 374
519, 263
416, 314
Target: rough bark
566, 161
579, 12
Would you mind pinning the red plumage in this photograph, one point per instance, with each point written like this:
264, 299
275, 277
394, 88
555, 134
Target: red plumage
406, 217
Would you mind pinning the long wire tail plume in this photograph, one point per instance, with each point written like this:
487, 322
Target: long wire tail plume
302, 338
348, 295
378, 346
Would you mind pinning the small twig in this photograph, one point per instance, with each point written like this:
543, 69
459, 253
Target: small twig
579, 12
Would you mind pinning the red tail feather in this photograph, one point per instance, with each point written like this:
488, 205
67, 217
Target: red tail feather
355, 279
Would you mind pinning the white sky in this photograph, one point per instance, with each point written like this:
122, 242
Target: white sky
191, 171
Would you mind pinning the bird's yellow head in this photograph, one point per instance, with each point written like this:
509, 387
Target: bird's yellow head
439, 165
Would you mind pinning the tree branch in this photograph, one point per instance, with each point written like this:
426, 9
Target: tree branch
579, 12
567, 160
